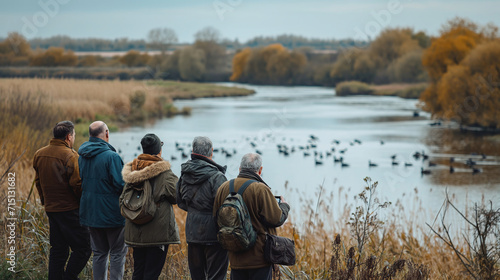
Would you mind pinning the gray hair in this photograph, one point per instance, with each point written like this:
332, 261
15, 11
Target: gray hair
202, 146
251, 161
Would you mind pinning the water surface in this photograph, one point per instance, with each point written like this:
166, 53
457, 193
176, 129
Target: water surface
288, 116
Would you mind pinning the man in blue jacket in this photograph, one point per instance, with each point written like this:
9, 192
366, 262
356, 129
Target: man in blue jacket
102, 185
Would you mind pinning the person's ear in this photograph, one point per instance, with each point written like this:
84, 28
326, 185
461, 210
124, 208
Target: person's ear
260, 170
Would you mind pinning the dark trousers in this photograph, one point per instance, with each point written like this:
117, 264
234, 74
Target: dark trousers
207, 261
108, 246
65, 233
148, 262
265, 273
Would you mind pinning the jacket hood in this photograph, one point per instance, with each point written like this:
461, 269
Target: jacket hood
144, 174
93, 147
197, 171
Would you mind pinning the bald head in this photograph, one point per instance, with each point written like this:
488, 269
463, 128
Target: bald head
100, 130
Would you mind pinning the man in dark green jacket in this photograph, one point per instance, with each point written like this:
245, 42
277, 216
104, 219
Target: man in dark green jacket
58, 183
102, 185
196, 189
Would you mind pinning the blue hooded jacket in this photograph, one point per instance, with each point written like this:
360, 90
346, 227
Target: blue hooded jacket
102, 184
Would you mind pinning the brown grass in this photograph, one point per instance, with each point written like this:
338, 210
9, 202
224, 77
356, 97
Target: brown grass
417, 246
29, 109
87, 98
411, 91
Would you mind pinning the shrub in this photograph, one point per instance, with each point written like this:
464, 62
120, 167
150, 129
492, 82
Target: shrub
54, 57
353, 88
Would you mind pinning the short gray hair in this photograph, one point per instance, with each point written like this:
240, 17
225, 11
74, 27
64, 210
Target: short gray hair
251, 161
202, 146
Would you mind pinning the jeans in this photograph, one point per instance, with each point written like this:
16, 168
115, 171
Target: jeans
148, 262
207, 261
265, 273
65, 233
108, 243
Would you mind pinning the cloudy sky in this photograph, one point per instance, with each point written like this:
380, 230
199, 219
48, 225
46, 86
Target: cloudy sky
241, 19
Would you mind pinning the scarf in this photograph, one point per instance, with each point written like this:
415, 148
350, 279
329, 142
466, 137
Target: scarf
144, 160
250, 174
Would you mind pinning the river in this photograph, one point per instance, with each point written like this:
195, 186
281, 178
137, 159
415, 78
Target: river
360, 129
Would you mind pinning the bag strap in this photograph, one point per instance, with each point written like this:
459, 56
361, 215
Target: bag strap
242, 188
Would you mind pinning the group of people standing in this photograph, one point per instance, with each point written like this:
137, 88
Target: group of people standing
82, 192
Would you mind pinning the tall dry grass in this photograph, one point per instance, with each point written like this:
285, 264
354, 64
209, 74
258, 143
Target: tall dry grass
30, 108
402, 247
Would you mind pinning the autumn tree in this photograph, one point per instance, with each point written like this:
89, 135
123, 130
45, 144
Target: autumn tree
284, 67
14, 50
134, 59
353, 64
408, 68
463, 64
54, 57
392, 44
240, 61
256, 69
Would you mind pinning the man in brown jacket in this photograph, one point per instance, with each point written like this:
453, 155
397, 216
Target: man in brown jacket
58, 183
266, 214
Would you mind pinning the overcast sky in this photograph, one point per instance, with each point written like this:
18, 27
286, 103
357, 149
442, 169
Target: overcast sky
241, 19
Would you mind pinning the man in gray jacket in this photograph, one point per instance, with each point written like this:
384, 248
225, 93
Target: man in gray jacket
196, 190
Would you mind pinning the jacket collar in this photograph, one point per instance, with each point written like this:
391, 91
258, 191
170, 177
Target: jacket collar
250, 174
99, 140
58, 142
207, 160
144, 174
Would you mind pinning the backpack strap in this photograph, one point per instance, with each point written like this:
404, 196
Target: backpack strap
231, 187
242, 188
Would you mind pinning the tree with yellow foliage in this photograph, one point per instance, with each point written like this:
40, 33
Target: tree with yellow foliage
463, 64
240, 61
273, 64
54, 57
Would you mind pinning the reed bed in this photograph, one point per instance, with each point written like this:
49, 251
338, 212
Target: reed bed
353, 243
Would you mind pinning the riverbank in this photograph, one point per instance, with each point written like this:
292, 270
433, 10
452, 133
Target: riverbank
408, 91
121, 103
29, 109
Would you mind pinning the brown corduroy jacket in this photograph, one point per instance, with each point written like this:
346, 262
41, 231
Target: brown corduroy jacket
57, 177
266, 215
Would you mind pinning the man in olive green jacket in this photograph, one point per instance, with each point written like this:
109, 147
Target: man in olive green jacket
150, 240
58, 182
266, 214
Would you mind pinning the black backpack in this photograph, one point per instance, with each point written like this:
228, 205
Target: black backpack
236, 232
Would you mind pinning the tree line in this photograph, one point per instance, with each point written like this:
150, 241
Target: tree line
126, 44
205, 60
393, 57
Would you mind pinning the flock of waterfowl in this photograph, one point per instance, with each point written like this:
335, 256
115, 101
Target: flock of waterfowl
337, 154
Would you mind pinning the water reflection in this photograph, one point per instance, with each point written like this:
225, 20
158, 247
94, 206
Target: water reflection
463, 158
